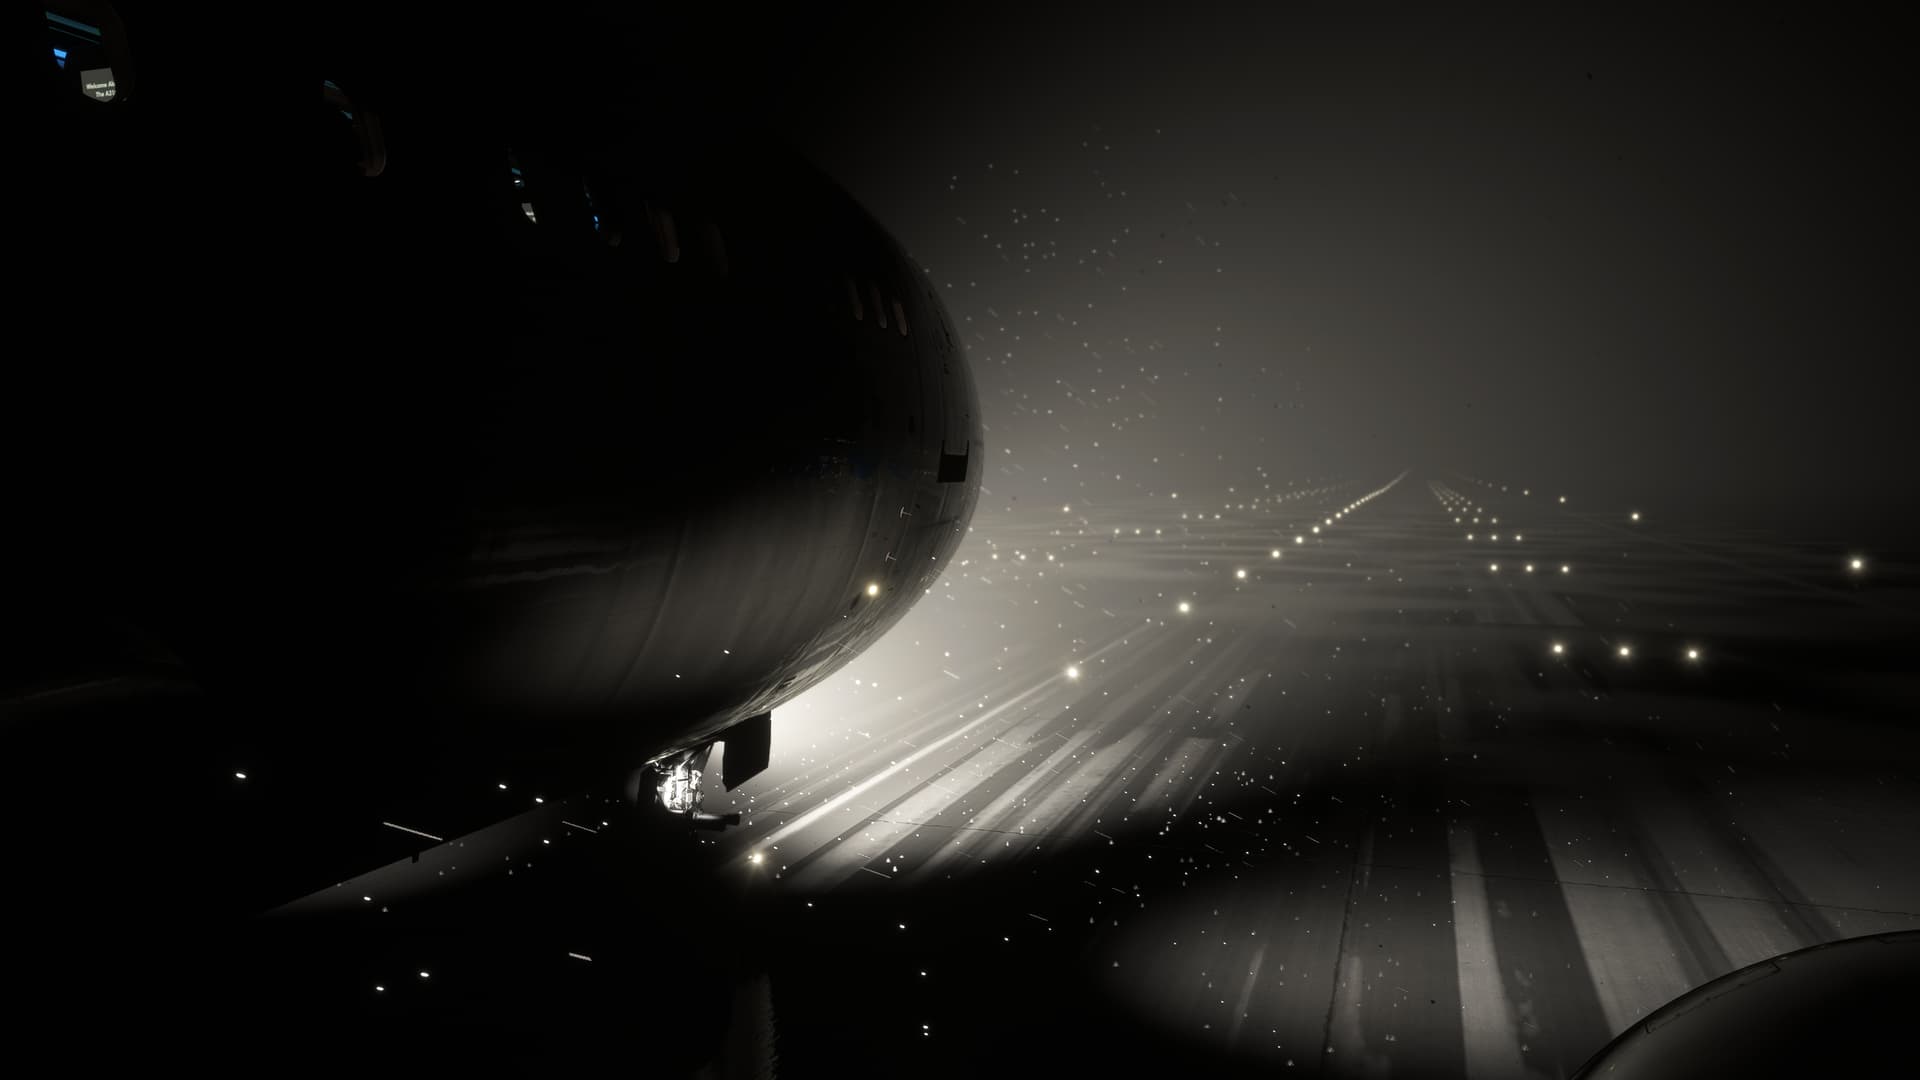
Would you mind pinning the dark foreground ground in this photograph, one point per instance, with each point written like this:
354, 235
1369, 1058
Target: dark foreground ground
1349, 814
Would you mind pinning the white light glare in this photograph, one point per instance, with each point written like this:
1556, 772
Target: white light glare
873, 589
1185, 607
1074, 672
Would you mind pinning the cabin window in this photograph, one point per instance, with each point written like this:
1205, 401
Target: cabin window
900, 318
601, 217
520, 190
953, 467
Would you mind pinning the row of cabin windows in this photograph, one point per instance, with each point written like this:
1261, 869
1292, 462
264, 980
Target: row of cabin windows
879, 307
666, 233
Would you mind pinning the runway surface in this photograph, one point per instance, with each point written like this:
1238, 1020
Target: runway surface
1349, 813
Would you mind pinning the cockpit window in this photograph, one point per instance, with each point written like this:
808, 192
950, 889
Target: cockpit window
88, 46
359, 127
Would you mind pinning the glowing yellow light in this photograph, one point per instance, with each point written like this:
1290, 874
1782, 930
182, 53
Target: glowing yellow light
1857, 564
1073, 672
1626, 651
1275, 553
1693, 654
1563, 498
1299, 539
1529, 568
1496, 568
1240, 574
754, 858
1558, 648
1185, 607
873, 590
1565, 569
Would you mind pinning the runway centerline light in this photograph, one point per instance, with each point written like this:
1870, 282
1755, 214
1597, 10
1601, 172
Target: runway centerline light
1185, 607
1073, 672
873, 590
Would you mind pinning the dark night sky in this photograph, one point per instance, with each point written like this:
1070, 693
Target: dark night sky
1645, 261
